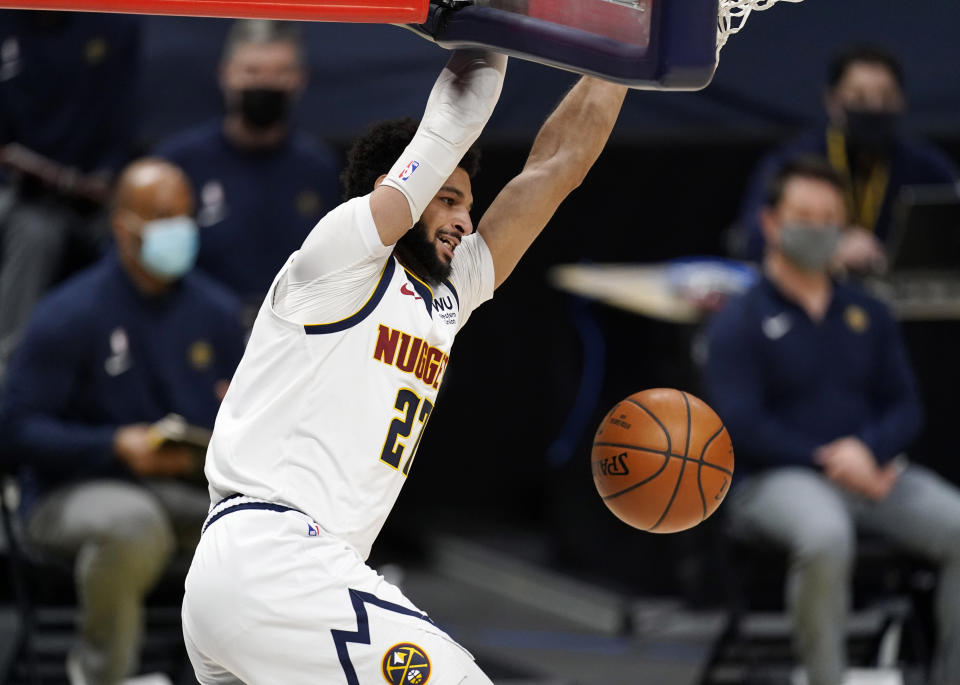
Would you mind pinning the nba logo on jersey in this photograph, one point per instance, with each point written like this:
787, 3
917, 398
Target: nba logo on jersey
408, 170
313, 530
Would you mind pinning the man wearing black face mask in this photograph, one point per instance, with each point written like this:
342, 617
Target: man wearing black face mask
812, 380
864, 141
260, 184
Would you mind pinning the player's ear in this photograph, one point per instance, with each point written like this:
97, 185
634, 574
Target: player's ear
379, 180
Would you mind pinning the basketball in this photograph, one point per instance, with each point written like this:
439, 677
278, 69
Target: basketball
662, 460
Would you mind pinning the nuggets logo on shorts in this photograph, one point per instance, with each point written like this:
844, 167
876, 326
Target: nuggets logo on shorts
406, 664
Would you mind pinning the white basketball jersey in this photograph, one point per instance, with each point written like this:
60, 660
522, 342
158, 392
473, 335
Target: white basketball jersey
339, 377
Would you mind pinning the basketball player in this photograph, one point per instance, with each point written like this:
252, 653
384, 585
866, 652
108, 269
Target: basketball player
318, 431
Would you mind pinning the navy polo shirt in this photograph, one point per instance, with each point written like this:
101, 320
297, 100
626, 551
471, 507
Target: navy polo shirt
68, 85
254, 207
785, 384
912, 163
97, 354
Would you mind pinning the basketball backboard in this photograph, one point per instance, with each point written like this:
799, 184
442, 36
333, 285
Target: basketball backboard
652, 44
659, 44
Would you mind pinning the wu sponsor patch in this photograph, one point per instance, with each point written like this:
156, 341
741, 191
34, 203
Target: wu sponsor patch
406, 664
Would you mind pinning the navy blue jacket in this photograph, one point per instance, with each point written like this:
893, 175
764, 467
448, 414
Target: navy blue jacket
69, 90
97, 354
784, 385
254, 207
912, 163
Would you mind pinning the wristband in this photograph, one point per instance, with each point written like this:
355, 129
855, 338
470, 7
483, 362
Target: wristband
459, 106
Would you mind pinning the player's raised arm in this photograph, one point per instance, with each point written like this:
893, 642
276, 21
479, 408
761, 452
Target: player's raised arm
565, 148
459, 106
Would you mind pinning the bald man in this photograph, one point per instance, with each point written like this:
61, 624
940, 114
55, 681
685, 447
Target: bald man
135, 337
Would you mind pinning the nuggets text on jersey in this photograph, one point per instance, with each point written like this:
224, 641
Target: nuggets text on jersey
411, 355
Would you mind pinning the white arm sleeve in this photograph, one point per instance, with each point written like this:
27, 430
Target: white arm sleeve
458, 108
335, 270
472, 275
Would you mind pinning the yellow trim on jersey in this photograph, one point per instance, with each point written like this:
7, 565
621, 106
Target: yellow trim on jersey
410, 273
373, 292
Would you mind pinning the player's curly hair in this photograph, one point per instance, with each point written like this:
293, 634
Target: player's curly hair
375, 151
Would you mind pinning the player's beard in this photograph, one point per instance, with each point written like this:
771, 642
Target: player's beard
418, 253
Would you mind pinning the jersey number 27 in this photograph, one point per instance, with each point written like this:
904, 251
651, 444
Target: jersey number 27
408, 403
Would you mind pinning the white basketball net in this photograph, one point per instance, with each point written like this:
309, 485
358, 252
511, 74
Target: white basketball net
733, 15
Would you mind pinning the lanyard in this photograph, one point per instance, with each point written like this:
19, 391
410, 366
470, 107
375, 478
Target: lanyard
864, 198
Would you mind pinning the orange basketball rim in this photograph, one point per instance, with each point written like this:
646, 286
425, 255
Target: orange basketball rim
378, 11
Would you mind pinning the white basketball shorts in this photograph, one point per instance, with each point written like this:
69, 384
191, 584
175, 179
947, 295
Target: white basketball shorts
271, 598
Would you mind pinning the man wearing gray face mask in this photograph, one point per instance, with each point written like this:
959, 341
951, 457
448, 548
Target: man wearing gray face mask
813, 382
117, 348
864, 140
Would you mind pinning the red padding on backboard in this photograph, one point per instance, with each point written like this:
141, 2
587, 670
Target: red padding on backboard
376, 11
624, 24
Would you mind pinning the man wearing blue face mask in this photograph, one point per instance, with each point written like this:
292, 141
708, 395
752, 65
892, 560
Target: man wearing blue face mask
136, 337
865, 143
812, 380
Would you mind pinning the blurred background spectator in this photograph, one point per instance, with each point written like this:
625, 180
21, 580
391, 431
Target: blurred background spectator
865, 142
262, 184
812, 378
68, 116
118, 347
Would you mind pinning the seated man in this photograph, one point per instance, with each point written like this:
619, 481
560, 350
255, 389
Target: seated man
262, 183
812, 379
114, 349
862, 139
